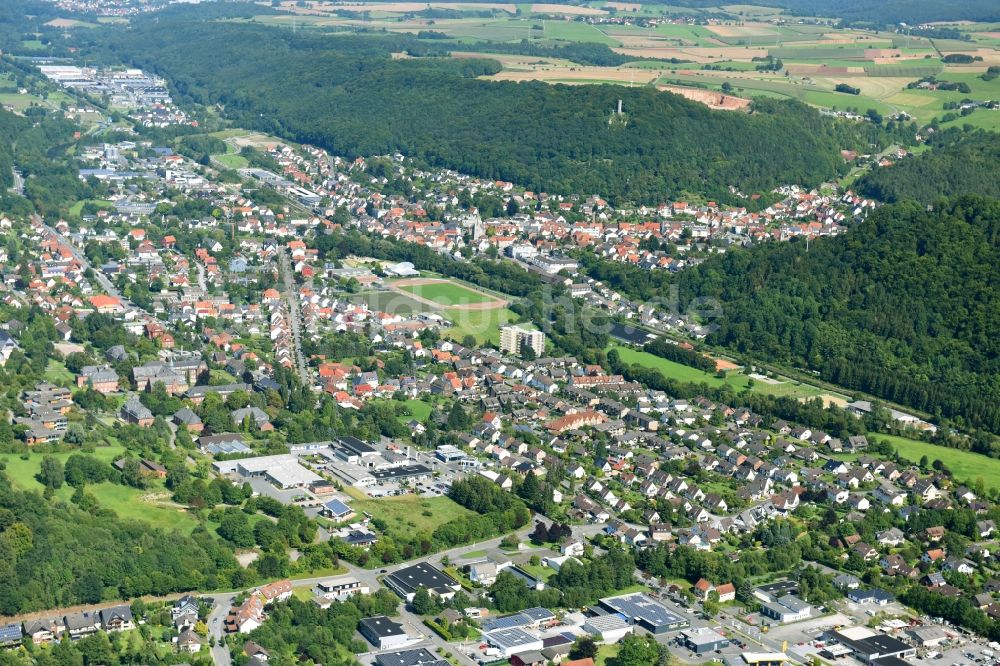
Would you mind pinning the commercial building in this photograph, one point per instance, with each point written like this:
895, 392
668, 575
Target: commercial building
337, 510
640, 609
607, 628
402, 473
701, 640
339, 589
511, 641
788, 608
417, 657
283, 471
514, 339
382, 632
406, 581
868, 646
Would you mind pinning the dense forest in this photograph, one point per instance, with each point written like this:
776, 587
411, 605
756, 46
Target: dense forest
348, 95
904, 307
960, 164
57, 555
35, 143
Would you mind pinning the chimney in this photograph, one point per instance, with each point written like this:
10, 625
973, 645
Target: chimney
619, 107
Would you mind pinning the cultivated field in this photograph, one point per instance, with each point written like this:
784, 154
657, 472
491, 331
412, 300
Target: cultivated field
814, 58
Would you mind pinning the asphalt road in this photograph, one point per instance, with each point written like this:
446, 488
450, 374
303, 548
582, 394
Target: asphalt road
371, 577
294, 317
78, 254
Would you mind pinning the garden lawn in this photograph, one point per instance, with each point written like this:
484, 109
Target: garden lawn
966, 465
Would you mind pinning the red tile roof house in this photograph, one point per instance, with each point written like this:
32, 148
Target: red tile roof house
277, 591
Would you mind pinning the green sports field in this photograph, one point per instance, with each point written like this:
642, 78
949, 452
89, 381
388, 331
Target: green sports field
447, 293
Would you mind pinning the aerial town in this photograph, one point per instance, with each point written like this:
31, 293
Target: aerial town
412, 400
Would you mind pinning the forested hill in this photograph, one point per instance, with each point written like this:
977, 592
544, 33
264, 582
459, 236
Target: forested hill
905, 306
960, 164
347, 95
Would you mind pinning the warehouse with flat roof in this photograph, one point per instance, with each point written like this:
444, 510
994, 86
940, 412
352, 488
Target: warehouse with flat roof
701, 640
406, 581
639, 608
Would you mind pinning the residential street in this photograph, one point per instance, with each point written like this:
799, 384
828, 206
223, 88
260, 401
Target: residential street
294, 316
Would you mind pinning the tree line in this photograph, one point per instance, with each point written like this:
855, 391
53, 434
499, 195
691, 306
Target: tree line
346, 94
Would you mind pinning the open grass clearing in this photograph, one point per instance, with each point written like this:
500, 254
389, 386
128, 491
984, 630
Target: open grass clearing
483, 325
735, 379
150, 505
966, 465
232, 160
407, 514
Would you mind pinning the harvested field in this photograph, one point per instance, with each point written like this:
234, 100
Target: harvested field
748, 30
567, 9
711, 99
580, 74
695, 53
395, 7
871, 54
624, 6
515, 61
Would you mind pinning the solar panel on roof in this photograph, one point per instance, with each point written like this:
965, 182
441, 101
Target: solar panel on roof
10, 632
507, 622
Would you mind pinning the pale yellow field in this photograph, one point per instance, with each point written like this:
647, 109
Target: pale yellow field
580, 74
393, 7
878, 87
567, 9
624, 6
517, 62
746, 30
695, 53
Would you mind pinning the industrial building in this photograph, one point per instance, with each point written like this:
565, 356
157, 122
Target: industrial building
382, 632
607, 628
406, 581
701, 640
402, 473
868, 646
788, 608
640, 609
283, 471
511, 641
416, 657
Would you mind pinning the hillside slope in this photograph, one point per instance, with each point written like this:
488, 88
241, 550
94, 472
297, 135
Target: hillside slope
906, 306
347, 94
960, 164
